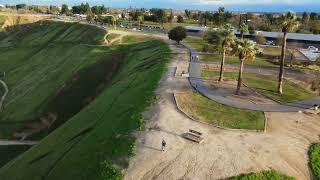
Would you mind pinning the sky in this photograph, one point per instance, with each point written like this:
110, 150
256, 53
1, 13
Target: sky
231, 5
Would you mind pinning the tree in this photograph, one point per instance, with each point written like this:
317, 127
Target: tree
243, 29
288, 22
313, 16
315, 27
223, 40
279, 41
260, 39
53, 10
170, 17
98, 10
114, 21
180, 19
21, 6
160, 15
64, 9
82, 9
188, 13
177, 34
305, 18
245, 50
140, 21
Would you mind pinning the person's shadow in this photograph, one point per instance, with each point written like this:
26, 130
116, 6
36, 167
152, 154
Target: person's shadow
153, 148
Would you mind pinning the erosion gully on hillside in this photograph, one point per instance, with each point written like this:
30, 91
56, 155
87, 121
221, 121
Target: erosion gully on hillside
43, 62
80, 91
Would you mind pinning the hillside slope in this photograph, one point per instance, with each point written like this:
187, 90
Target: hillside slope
98, 140
38, 59
12, 19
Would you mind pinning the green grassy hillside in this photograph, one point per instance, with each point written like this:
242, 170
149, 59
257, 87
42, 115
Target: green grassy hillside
38, 59
99, 140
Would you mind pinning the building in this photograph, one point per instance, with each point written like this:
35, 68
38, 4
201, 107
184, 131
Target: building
292, 37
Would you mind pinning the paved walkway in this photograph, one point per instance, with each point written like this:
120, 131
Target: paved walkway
197, 83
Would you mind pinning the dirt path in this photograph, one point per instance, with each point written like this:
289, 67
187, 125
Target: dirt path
3, 97
223, 153
11, 143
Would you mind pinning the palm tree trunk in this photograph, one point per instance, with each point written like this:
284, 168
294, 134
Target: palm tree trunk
222, 65
282, 61
240, 77
242, 35
6, 90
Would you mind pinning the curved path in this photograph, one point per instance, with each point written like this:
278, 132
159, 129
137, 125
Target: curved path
197, 83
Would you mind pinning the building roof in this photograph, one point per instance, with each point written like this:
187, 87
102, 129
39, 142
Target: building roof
197, 28
291, 36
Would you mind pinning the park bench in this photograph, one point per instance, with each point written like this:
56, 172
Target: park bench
193, 135
195, 132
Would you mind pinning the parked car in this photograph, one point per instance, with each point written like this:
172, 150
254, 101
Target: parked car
270, 43
312, 49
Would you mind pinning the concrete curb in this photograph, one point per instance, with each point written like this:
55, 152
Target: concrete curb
219, 127
265, 122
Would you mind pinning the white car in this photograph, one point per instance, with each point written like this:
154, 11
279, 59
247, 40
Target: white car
312, 49
270, 43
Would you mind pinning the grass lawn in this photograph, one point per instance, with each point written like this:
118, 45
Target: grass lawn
263, 175
99, 140
266, 85
271, 51
235, 60
2, 20
206, 110
136, 39
195, 42
314, 160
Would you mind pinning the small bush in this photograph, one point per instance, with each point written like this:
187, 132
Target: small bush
270, 174
109, 172
314, 155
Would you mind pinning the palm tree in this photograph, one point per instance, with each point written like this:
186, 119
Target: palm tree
114, 21
227, 43
288, 23
243, 29
140, 20
223, 40
245, 50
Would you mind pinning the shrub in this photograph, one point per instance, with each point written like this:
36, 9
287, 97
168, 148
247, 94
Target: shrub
260, 39
270, 174
109, 172
180, 19
314, 155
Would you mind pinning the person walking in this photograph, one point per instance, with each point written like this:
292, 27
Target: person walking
163, 145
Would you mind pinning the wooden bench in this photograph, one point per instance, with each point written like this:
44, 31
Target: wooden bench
195, 132
193, 137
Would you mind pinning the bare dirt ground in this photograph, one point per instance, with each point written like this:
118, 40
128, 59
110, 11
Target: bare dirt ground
223, 153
